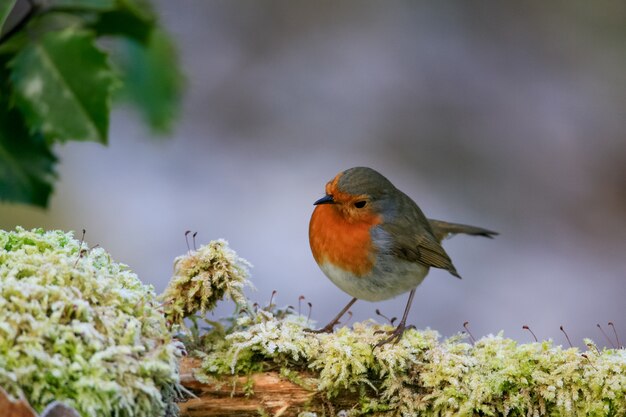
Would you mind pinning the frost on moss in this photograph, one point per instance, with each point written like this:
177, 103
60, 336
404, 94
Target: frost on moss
77, 327
423, 375
202, 278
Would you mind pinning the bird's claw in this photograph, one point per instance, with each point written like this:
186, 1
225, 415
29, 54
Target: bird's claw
325, 329
179, 347
395, 334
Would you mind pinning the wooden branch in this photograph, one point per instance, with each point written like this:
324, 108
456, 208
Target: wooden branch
11, 407
272, 394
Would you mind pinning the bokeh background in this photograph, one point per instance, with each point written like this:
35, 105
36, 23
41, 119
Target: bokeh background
506, 116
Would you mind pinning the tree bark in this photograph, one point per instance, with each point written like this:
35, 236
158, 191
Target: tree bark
272, 394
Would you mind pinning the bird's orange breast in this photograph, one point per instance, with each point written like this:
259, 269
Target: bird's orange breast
344, 243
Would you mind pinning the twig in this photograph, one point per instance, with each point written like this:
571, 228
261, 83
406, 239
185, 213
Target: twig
606, 336
34, 8
619, 345
566, 336
465, 326
525, 327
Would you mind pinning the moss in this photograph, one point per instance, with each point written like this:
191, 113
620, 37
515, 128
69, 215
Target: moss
202, 278
77, 327
423, 374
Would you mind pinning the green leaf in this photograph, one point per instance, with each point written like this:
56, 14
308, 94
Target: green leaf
152, 79
87, 5
132, 19
122, 23
62, 84
26, 162
5, 9
141, 8
13, 44
37, 27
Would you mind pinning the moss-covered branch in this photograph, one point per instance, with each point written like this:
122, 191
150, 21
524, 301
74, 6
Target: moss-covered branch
421, 374
261, 393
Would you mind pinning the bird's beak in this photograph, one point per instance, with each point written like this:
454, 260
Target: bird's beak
327, 199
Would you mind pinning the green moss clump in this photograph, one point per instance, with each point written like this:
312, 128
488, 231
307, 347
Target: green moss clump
79, 328
422, 375
202, 278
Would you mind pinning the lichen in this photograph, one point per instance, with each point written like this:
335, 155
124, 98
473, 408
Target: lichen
423, 374
202, 278
77, 327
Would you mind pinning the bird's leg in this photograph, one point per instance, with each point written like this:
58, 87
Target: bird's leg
396, 334
329, 327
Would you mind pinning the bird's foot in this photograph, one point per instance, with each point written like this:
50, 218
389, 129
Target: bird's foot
394, 335
326, 329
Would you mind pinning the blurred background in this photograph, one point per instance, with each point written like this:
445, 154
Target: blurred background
506, 116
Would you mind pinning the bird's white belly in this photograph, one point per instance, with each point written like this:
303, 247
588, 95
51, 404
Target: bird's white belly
383, 282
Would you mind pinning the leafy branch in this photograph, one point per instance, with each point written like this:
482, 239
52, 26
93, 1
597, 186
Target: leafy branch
57, 81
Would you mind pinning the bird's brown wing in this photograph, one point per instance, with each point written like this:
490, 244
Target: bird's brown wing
423, 248
414, 240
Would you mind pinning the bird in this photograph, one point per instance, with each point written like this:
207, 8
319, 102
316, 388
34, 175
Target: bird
374, 242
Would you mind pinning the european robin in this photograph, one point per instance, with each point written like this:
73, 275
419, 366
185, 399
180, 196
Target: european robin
375, 243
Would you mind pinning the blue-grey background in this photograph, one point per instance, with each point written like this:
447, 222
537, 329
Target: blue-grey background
507, 116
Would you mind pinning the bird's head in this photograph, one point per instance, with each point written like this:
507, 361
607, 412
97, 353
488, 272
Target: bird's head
358, 193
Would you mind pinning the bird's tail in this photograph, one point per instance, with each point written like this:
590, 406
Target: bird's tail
443, 229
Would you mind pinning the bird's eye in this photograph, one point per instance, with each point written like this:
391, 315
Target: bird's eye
360, 204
